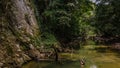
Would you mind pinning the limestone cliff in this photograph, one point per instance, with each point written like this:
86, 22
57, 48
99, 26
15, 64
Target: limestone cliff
18, 28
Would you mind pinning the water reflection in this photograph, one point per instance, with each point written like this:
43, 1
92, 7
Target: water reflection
95, 57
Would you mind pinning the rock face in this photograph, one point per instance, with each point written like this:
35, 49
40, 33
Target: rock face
18, 28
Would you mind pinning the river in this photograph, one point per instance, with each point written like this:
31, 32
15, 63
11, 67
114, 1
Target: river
95, 56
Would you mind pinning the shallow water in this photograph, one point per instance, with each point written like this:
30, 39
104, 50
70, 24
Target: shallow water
95, 57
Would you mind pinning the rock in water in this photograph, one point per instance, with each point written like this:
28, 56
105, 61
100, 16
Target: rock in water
93, 66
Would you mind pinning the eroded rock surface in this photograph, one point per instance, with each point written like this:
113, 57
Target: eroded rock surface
18, 28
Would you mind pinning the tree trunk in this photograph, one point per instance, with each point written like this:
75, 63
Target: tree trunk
55, 53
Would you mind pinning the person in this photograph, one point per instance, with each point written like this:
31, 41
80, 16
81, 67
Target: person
82, 62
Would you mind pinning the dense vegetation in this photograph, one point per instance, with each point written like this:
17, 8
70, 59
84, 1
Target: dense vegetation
71, 20
31, 25
107, 21
64, 21
70, 23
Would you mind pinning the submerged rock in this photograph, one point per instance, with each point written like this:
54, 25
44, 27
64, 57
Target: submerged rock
93, 66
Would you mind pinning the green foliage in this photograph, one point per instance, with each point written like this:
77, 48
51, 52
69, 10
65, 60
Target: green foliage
36, 40
64, 20
48, 39
58, 18
86, 13
107, 17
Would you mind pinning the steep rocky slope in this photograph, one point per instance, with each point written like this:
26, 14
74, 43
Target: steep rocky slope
18, 28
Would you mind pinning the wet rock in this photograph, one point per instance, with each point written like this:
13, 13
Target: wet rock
18, 47
35, 54
1, 64
32, 47
93, 66
26, 57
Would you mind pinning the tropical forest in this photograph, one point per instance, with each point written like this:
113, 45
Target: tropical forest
59, 33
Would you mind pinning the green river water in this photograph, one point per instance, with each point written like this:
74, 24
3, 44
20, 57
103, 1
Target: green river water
95, 57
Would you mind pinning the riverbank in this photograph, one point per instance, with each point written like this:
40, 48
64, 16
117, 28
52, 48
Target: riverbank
101, 56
